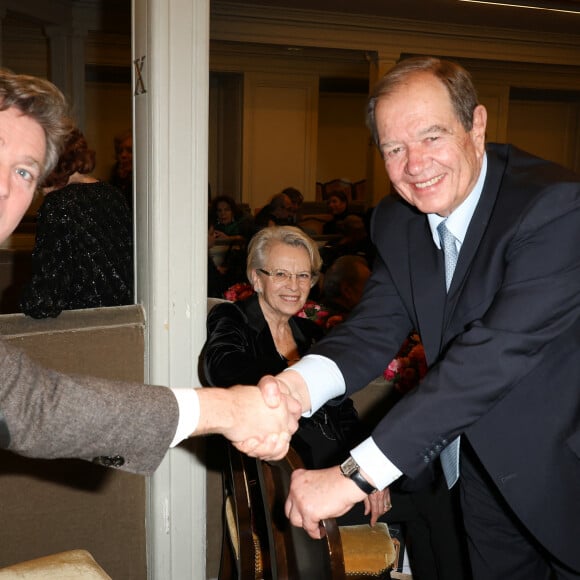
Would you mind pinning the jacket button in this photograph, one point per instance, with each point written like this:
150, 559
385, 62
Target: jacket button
106, 461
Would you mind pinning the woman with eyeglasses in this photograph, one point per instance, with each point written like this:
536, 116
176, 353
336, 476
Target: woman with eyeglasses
262, 335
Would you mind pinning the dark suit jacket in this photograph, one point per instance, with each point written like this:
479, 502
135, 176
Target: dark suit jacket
503, 345
47, 415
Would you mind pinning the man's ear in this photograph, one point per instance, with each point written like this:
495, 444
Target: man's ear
346, 292
479, 126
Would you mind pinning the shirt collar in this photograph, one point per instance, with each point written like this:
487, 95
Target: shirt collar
458, 220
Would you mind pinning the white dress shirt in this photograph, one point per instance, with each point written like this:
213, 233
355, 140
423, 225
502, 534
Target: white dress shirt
188, 404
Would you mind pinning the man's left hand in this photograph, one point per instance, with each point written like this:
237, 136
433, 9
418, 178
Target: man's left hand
319, 494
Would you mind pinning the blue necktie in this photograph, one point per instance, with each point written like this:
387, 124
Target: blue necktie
449, 455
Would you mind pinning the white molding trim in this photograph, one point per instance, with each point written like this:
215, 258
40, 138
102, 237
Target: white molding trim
389, 36
171, 153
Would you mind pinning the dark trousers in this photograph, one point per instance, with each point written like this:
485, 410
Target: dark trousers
500, 547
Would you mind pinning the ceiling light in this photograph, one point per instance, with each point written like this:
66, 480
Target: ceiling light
570, 6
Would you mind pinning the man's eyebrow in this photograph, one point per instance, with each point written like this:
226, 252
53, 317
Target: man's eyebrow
433, 129
31, 162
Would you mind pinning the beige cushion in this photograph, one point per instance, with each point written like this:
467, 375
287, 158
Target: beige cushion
366, 550
235, 538
72, 565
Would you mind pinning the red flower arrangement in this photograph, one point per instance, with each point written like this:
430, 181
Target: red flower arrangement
409, 366
239, 291
315, 312
333, 321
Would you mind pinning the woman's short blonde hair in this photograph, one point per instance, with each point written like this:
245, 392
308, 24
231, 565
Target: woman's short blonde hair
262, 241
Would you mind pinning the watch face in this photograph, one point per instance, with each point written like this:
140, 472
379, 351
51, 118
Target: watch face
349, 467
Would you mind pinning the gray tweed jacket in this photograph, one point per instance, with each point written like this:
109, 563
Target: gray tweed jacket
46, 414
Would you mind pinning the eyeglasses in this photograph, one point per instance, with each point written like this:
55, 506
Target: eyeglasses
282, 276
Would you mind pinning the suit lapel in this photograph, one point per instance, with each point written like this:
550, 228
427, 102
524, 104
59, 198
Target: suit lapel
475, 232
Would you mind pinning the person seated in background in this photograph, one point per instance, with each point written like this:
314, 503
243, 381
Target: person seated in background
343, 285
296, 201
122, 172
337, 203
263, 335
354, 241
229, 221
232, 230
275, 213
218, 278
83, 252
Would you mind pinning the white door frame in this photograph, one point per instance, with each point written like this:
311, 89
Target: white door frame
171, 86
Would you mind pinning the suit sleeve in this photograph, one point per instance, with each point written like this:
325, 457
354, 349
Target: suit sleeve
50, 415
364, 344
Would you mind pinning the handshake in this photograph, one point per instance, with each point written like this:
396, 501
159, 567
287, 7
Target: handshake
258, 420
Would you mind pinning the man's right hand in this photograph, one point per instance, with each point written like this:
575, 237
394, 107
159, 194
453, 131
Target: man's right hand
288, 383
240, 414
287, 389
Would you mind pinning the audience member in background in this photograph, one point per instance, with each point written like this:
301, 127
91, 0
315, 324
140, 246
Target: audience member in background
263, 335
343, 285
233, 229
83, 252
275, 213
49, 415
337, 203
296, 201
122, 174
218, 280
229, 220
354, 241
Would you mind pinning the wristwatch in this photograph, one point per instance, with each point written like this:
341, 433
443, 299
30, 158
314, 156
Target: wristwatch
351, 470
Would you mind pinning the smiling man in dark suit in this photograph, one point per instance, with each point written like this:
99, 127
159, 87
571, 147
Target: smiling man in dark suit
495, 295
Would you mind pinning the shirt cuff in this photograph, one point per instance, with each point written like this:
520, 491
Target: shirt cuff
318, 370
188, 404
374, 463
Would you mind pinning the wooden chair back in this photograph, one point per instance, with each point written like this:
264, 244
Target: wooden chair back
259, 542
245, 543
296, 555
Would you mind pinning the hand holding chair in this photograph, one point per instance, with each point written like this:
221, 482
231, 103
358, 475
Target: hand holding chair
259, 542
